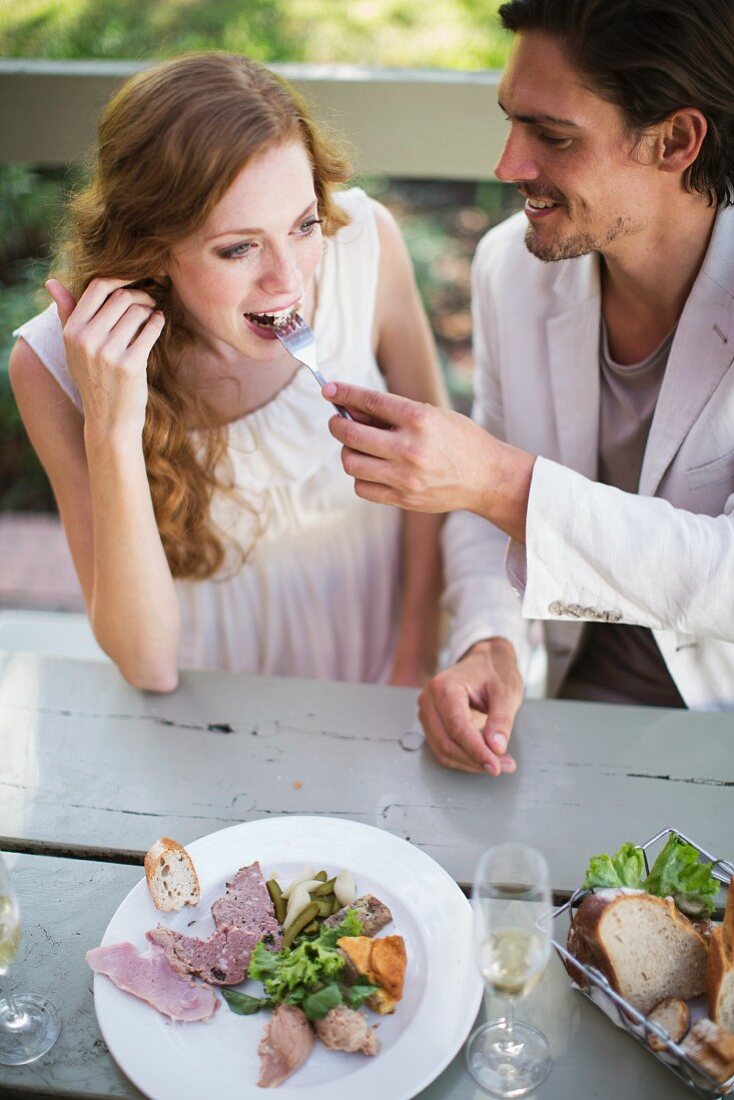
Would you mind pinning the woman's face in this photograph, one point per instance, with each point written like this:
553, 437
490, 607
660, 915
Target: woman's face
255, 255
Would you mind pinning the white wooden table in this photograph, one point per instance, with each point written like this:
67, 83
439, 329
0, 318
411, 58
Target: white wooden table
91, 772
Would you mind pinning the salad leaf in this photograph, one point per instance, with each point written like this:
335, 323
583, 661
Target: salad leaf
243, 1004
678, 873
293, 973
625, 868
317, 1004
356, 995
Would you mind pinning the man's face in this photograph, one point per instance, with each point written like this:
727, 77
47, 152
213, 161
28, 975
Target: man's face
587, 184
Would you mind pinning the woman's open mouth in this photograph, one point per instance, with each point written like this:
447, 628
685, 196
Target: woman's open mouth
265, 324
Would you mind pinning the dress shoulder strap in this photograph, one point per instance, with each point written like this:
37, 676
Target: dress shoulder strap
44, 335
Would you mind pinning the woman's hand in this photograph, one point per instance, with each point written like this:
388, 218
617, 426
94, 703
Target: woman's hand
108, 336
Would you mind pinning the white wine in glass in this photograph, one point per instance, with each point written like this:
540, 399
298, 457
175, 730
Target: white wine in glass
29, 1025
512, 910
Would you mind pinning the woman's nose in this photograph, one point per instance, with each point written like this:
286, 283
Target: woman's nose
516, 164
280, 273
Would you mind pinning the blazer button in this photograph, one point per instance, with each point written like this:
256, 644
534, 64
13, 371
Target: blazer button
556, 608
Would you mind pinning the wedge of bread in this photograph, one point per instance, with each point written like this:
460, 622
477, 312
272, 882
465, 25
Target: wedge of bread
642, 945
674, 1016
171, 875
720, 974
382, 962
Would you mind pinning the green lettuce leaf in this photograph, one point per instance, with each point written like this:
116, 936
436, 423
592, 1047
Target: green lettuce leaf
243, 1004
679, 874
625, 868
317, 1004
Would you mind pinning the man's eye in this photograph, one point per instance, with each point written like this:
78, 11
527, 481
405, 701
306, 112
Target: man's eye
556, 142
236, 251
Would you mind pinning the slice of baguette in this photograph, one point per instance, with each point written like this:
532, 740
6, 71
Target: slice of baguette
712, 1047
171, 876
674, 1016
645, 948
720, 973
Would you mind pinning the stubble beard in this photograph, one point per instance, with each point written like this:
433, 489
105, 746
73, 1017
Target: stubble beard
578, 244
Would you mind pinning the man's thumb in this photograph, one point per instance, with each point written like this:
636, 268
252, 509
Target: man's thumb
65, 300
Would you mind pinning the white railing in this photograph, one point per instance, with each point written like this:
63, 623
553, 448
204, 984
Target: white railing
410, 123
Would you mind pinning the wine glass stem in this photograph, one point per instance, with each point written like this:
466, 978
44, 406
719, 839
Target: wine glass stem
5, 995
510, 1020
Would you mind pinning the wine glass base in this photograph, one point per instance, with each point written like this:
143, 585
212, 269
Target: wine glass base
506, 1067
31, 1033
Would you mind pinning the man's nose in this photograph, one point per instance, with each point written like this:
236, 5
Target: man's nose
516, 162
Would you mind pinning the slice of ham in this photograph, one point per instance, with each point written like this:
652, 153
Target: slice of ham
152, 978
243, 918
285, 1045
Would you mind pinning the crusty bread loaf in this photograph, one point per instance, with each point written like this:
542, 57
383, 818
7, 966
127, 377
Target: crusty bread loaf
674, 1016
720, 974
711, 1047
642, 945
171, 875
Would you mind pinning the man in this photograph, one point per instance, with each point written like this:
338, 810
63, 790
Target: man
604, 336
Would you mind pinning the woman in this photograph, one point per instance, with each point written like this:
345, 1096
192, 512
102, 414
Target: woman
208, 516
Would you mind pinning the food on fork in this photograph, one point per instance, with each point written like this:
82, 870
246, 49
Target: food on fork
720, 974
243, 918
674, 1016
382, 962
645, 948
285, 1045
152, 978
171, 875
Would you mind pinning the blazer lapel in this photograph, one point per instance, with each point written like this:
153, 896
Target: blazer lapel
701, 354
573, 357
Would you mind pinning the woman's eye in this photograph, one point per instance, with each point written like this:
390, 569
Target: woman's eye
307, 227
236, 251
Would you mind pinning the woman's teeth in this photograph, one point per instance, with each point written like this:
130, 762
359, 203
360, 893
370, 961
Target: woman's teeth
272, 319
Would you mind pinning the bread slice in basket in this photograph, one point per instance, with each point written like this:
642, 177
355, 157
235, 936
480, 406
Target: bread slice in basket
641, 944
721, 967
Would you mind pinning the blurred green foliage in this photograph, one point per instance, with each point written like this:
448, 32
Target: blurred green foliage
455, 34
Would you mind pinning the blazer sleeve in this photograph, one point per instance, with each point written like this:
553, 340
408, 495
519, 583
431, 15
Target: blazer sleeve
477, 595
592, 550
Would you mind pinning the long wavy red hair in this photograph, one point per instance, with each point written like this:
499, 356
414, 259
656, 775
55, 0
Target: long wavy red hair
170, 143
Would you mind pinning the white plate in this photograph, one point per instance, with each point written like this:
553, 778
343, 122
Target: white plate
174, 1061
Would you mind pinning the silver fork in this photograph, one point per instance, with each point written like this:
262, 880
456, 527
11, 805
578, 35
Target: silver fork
300, 342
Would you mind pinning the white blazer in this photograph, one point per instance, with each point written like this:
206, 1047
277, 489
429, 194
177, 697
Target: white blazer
662, 558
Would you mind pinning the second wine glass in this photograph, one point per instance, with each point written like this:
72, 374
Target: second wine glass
512, 907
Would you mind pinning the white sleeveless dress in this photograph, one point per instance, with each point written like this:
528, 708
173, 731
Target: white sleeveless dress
318, 595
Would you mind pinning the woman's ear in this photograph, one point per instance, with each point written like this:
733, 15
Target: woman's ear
681, 137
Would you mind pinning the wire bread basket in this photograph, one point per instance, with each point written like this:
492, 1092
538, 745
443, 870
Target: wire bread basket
622, 1012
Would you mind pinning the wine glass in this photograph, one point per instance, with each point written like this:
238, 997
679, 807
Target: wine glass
29, 1025
512, 908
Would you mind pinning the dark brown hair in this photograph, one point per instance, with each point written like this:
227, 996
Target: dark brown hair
171, 142
650, 58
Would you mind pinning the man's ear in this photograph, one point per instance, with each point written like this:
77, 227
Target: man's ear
681, 137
